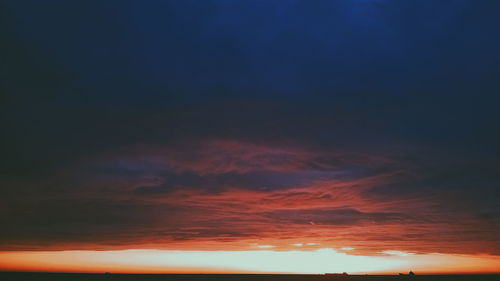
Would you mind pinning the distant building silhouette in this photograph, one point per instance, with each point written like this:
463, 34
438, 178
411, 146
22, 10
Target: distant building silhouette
337, 274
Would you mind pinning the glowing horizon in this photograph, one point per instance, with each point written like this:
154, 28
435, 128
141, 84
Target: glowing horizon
318, 261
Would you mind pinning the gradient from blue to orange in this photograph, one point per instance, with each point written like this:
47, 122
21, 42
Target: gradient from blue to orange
228, 133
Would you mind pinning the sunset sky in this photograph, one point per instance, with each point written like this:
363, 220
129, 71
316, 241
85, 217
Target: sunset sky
250, 136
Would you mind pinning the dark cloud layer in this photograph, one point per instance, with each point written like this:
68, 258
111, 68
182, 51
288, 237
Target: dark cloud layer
220, 124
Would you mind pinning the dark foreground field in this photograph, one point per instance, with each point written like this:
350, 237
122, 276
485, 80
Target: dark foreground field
8, 276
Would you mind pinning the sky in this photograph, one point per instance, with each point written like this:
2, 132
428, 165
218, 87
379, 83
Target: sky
250, 136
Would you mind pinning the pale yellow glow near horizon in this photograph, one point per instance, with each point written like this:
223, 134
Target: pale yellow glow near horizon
257, 261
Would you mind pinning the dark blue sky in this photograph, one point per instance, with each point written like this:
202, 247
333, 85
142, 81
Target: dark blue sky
149, 98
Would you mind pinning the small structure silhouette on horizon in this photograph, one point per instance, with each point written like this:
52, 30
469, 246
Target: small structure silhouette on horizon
343, 273
411, 273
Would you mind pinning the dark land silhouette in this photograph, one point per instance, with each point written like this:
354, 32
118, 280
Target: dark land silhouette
31, 276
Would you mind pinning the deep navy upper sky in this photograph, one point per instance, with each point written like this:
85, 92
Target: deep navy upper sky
112, 111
